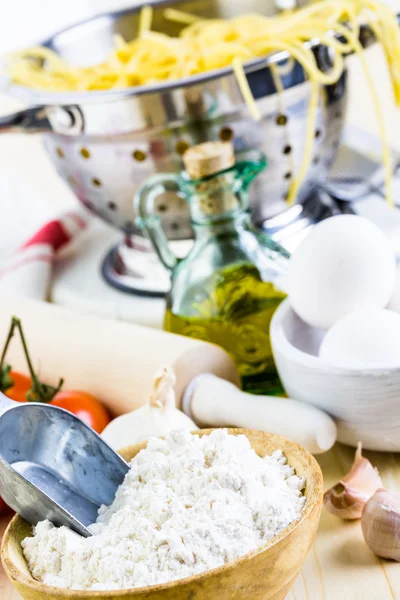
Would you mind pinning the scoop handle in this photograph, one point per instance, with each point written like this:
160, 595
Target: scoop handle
211, 401
6, 403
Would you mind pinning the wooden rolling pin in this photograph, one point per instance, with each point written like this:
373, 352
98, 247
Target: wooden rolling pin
208, 400
113, 360
116, 362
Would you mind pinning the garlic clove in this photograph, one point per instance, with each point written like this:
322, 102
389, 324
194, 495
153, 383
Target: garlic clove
362, 475
380, 524
155, 419
163, 395
344, 502
348, 497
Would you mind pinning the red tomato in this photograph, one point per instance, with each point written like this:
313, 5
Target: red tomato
85, 406
4, 508
22, 385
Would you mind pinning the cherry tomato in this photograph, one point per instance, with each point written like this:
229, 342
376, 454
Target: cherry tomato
22, 385
85, 406
4, 508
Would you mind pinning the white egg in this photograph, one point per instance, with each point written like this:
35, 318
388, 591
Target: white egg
368, 338
344, 264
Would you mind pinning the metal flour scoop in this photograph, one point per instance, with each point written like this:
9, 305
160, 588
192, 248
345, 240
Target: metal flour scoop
53, 466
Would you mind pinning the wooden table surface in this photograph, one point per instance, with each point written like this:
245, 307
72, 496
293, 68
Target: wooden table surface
340, 565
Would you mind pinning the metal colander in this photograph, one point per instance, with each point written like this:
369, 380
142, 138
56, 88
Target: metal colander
104, 144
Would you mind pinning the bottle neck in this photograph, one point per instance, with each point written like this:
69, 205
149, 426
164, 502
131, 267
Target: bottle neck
226, 224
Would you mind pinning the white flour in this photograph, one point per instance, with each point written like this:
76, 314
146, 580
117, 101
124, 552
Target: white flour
188, 504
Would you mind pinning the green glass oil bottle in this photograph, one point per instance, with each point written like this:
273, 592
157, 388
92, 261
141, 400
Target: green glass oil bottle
227, 288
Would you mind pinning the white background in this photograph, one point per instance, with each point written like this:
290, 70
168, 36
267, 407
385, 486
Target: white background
27, 21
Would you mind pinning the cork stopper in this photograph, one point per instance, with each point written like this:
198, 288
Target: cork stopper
213, 196
208, 158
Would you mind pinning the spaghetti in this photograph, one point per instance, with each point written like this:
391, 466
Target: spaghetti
207, 44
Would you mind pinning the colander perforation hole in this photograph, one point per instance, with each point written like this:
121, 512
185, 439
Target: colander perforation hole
316, 160
85, 153
139, 155
225, 134
318, 133
181, 146
96, 182
112, 206
287, 149
60, 153
175, 226
162, 208
281, 119
287, 175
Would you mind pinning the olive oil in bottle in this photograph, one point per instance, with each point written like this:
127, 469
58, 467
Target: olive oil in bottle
225, 291
234, 311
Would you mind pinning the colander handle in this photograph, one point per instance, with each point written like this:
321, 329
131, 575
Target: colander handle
31, 120
148, 221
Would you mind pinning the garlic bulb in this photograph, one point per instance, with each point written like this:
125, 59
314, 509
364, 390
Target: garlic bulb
380, 524
157, 418
347, 498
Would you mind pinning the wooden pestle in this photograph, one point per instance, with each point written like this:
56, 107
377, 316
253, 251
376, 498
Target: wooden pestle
209, 400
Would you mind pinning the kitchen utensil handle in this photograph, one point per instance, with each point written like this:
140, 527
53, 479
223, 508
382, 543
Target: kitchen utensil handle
211, 401
148, 221
6, 403
31, 120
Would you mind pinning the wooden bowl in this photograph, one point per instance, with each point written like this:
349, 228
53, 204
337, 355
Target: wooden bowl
364, 402
265, 574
